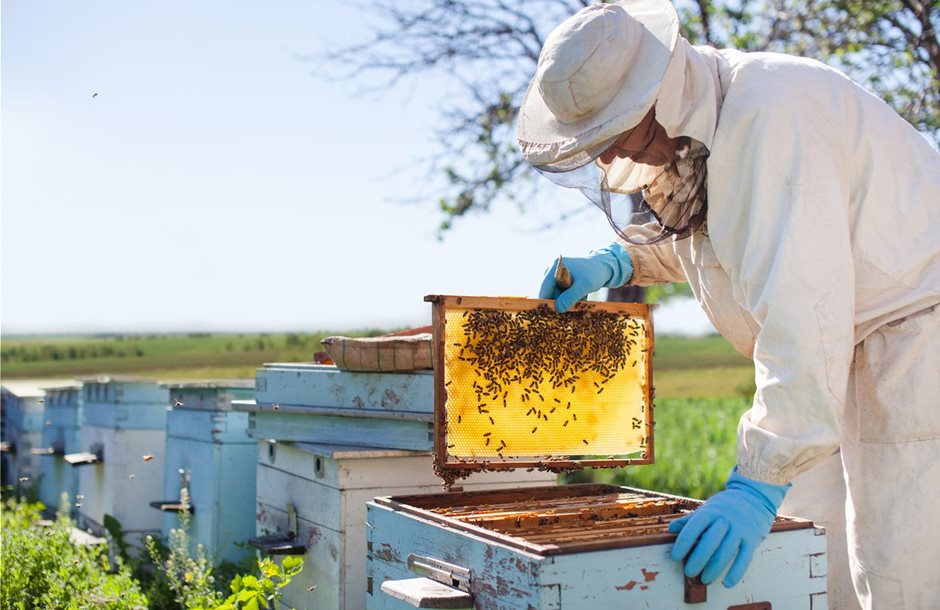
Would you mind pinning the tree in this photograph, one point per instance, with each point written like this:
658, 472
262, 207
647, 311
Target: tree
491, 47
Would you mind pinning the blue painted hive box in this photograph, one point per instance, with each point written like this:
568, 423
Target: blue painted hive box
24, 416
121, 455
208, 451
568, 547
315, 403
61, 435
518, 385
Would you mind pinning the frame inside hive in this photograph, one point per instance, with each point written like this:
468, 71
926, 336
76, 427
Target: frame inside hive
562, 518
518, 385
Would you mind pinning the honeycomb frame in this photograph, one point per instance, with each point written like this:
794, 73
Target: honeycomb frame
458, 416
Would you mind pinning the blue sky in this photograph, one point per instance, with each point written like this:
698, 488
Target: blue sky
177, 165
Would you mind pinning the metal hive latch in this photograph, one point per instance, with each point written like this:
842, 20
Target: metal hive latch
440, 571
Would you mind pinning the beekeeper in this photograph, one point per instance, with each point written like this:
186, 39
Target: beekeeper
805, 215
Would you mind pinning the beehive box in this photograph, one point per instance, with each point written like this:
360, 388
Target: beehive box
519, 385
572, 547
209, 452
24, 415
121, 458
329, 441
321, 404
61, 435
327, 487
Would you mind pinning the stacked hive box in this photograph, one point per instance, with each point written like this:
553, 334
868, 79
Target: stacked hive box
61, 435
209, 452
122, 442
330, 441
24, 417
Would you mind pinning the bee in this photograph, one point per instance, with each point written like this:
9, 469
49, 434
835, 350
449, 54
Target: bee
276, 406
179, 404
148, 457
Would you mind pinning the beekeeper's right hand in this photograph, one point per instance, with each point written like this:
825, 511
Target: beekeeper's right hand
609, 267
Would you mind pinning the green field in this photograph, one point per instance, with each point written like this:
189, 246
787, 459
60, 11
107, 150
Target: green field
190, 356
706, 367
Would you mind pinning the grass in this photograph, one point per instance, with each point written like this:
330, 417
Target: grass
157, 356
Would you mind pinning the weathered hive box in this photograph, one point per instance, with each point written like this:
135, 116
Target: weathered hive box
331, 440
572, 547
61, 435
322, 404
121, 458
312, 501
208, 451
24, 415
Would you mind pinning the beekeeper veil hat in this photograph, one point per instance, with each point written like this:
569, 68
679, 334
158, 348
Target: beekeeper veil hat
599, 74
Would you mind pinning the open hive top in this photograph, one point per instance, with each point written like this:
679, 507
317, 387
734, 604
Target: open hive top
518, 385
562, 518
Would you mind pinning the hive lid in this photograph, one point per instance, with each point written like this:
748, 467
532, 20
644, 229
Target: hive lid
518, 385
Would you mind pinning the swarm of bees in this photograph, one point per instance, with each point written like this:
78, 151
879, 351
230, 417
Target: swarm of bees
538, 345
538, 348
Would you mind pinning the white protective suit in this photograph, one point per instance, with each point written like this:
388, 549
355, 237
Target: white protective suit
821, 261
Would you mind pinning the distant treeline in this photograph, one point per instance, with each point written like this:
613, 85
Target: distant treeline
45, 356
38, 353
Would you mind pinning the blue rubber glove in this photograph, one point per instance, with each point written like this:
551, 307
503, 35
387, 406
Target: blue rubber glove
608, 267
728, 527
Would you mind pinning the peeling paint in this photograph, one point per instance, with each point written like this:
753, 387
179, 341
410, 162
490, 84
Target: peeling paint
387, 553
313, 537
390, 399
627, 587
649, 575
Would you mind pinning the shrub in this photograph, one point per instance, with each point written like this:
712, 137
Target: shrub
189, 575
41, 568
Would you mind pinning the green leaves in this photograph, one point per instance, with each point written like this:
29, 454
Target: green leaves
41, 568
263, 591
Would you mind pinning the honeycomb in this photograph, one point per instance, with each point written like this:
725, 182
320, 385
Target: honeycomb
532, 384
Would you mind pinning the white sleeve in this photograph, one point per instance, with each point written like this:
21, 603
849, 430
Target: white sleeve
779, 223
653, 264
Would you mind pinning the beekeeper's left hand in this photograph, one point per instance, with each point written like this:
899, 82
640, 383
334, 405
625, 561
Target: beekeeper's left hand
727, 529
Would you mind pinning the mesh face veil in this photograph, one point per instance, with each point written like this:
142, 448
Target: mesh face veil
644, 204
